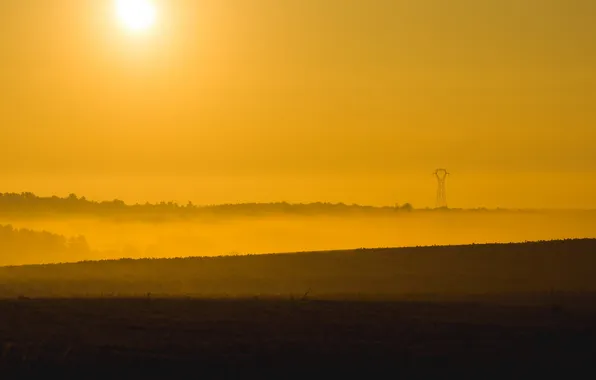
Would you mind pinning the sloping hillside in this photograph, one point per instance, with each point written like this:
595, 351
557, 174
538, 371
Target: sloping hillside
568, 265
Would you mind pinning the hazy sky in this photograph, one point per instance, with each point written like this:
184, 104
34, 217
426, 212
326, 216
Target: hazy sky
302, 100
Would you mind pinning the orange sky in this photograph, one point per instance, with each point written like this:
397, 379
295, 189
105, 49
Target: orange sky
302, 100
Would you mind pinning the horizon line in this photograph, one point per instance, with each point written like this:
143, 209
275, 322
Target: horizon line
406, 205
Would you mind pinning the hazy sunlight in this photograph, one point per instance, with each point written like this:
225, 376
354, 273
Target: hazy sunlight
136, 15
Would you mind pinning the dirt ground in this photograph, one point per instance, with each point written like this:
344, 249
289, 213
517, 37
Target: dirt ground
274, 338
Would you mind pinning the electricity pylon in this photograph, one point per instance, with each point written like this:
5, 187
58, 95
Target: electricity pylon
441, 175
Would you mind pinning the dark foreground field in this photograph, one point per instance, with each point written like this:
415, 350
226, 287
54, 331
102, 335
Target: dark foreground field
504, 311
141, 338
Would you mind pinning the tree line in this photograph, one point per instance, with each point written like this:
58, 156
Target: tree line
29, 203
24, 245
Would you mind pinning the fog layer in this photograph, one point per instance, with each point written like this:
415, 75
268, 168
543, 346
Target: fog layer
225, 234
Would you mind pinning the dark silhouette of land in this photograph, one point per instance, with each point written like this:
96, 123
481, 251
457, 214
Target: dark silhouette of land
29, 204
489, 311
534, 267
303, 338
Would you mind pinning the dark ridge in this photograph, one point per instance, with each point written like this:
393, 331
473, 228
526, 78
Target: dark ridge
29, 204
533, 267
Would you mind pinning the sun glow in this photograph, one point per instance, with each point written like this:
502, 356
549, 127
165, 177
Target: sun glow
136, 15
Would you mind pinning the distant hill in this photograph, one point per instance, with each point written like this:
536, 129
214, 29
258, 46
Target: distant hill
566, 265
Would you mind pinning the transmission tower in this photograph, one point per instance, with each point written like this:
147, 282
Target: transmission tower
441, 175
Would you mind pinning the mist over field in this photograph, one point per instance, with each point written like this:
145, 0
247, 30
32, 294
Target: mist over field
113, 230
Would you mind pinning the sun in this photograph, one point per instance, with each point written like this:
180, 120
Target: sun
136, 15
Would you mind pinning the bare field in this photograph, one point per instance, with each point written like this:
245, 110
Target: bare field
117, 338
488, 311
